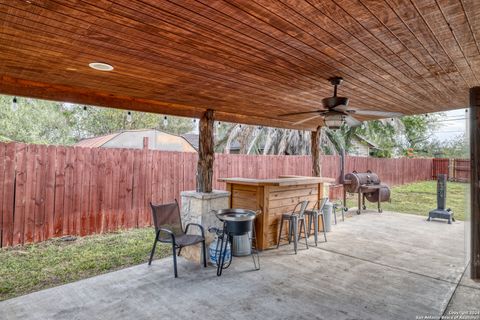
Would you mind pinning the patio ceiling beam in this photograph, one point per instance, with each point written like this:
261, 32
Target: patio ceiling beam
475, 181
62, 93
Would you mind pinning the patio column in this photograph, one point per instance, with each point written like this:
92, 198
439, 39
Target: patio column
475, 181
206, 153
315, 146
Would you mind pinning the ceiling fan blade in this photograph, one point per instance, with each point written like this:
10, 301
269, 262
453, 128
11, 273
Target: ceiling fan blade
352, 122
384, 114
296, 113
308, 119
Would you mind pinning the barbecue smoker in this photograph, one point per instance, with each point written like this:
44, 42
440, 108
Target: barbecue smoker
367, 185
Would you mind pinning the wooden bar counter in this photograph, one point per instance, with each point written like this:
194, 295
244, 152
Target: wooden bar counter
273, 197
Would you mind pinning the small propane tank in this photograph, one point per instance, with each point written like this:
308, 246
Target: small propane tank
214, 254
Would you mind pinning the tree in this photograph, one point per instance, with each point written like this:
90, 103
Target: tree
456, 147
35, 121
419, 129
95, 121
48, 122
393, 137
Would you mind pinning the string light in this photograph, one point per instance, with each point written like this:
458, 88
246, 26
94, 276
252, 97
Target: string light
165, 121
218, 124
14, 104
194, 120
84, 108
129, 116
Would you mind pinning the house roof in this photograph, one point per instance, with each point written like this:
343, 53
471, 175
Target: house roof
365, 140
97, 142
192, 138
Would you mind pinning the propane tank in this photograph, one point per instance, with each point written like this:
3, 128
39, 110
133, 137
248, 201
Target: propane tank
214, 251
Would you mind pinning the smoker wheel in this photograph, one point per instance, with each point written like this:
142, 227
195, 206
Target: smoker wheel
380, 210
364, 207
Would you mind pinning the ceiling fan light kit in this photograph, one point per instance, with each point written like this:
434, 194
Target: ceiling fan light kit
334, 121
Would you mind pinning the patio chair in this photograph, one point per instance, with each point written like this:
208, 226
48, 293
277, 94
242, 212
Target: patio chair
312, 215
295, 219
168, 229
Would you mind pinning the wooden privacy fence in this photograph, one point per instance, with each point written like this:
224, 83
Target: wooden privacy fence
51, 191
455, 169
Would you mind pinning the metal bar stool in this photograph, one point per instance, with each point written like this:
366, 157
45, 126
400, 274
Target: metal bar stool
313, 218
295, 218
337, 206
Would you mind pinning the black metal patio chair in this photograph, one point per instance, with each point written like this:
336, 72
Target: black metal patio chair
168, 229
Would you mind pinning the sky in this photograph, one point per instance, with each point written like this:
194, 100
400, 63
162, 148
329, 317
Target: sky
453, 123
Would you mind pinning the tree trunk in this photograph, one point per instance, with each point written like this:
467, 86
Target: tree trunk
206, 153
232, 136
316, 138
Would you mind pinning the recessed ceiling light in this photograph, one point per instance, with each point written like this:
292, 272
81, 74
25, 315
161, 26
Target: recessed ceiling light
100, 66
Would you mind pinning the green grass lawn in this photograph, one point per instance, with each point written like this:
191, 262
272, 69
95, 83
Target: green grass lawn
420, 197
29, 268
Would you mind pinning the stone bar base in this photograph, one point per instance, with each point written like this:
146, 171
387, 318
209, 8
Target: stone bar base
196, 208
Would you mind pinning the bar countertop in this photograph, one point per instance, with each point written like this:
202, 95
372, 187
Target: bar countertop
281, 181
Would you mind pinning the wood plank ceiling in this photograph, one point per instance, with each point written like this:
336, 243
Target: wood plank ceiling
250, 61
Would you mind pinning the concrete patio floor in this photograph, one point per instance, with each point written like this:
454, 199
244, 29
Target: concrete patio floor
374, 266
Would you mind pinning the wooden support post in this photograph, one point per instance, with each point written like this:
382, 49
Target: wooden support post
315, 146
206, 153
475, 181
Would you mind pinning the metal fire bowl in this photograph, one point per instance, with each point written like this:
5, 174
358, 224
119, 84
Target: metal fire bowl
237, 221
235, 215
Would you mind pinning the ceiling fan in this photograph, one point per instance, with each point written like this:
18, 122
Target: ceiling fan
337, 112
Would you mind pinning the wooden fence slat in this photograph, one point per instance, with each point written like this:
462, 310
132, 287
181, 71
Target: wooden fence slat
102, 192
85, 195
122, 189
129, 213
69, 192
50, 192
2, 187
59, 212
30, 194
7, 195
39, 196
94, 195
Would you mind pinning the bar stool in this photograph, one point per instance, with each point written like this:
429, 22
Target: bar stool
295, 218
337, 206
313, 217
